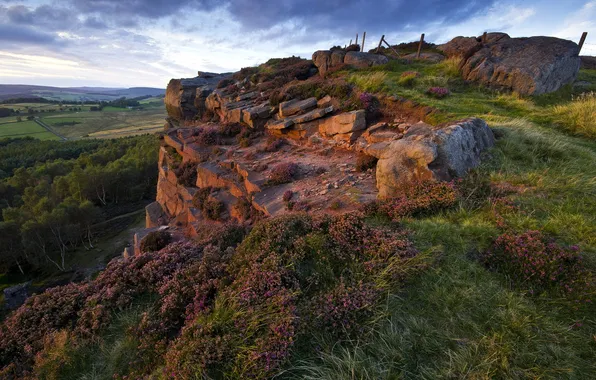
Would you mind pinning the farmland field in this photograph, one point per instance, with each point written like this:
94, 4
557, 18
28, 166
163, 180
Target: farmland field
25, 128
68, 121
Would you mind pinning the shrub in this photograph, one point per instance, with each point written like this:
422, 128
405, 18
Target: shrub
353, 47
213, 208
201, 196
438, 92
335, 205
155, 241
186, 174
416, 199
273, 144
206, 136
287, 196
246, 210
537, 263
283, 173
229, 130
365, 162
244, 142
579, 115
408, 78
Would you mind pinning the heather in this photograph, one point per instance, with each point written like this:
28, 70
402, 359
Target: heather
216, 309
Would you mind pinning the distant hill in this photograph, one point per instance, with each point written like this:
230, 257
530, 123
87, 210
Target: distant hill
8, 91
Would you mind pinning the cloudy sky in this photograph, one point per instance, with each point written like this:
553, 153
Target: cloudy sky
122, 43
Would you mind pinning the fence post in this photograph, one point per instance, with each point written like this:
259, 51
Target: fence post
380, 43
356, 38
484, 38
581, 41
363, 39
389, 46
420, 45
350, 43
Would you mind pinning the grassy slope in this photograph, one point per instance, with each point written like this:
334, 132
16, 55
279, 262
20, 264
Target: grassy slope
459, 320
25, 128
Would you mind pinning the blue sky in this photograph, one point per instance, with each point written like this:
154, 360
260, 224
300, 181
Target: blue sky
119, 43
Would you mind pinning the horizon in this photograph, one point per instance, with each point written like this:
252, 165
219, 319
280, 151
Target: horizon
145, 44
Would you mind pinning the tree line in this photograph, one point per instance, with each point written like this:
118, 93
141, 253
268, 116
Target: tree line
52, 196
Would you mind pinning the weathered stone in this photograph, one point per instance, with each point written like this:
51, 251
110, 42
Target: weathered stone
312, 115
443, 155
322, 60
172, 140
184, 95
529, 66
293, 107
154, 215
16, 295
324, 102
337, 57
429, 57
379, 136
280, 124
460, 47
343, 123
363, 60
257, 116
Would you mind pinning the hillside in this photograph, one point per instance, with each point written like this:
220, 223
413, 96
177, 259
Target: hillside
353, 216
74, 94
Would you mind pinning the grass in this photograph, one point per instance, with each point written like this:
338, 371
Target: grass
25, 128
459, 320
579, 115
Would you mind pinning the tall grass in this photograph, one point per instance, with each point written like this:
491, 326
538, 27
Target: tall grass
371, 82
450, 67
579, 115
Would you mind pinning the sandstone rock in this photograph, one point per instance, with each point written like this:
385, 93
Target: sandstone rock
494, 37
379, 136
442, 155
257, 116
343, 123
312, 115
172, 140
322, 60
429, 57
529, 66
460, 47
293, 107
181, 95
324, 102
337, 58
363, 60
154, 215
280, 124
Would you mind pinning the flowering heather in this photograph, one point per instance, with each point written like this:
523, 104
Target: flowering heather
421, 198
287, 196
539, 264
438, 92
283, 173
206, 136
366, 99
217, 311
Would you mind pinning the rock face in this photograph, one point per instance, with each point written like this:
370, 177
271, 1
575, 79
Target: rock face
325, 59
344, 123
529, 66
185, 98
427, 153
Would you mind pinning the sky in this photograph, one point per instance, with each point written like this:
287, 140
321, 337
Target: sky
127, 43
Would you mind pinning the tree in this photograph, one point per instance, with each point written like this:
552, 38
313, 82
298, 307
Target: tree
19, 119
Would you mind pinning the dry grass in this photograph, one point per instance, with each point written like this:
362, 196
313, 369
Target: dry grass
579, 115
450, 67
371, 82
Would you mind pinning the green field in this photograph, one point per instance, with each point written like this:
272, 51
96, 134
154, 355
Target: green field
108, 123
25, 128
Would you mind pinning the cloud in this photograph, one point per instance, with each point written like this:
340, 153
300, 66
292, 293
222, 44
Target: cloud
26, 35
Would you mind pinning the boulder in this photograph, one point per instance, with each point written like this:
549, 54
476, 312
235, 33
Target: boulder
430, 154
363, 60
185, 98
294, 106
494, 37
460, 47
529, 66
322, 60
16, 295
154, 215
429, 57
343, 123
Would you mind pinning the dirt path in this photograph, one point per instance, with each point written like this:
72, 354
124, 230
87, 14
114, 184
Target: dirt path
49, 129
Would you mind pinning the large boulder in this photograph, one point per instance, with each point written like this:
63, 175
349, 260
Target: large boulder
16, 295
428, 153
347, 122
460, 47
185, 98
529, 66
325, 59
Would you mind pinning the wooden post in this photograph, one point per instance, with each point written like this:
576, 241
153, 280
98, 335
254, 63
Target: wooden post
380, 43
363, 39
356, 38
484, 38
582, 40
389, 46
350, 43
420, 45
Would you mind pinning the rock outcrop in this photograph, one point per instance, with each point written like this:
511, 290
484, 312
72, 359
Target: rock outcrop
529, 66
427, 153
185, 98
326, 59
